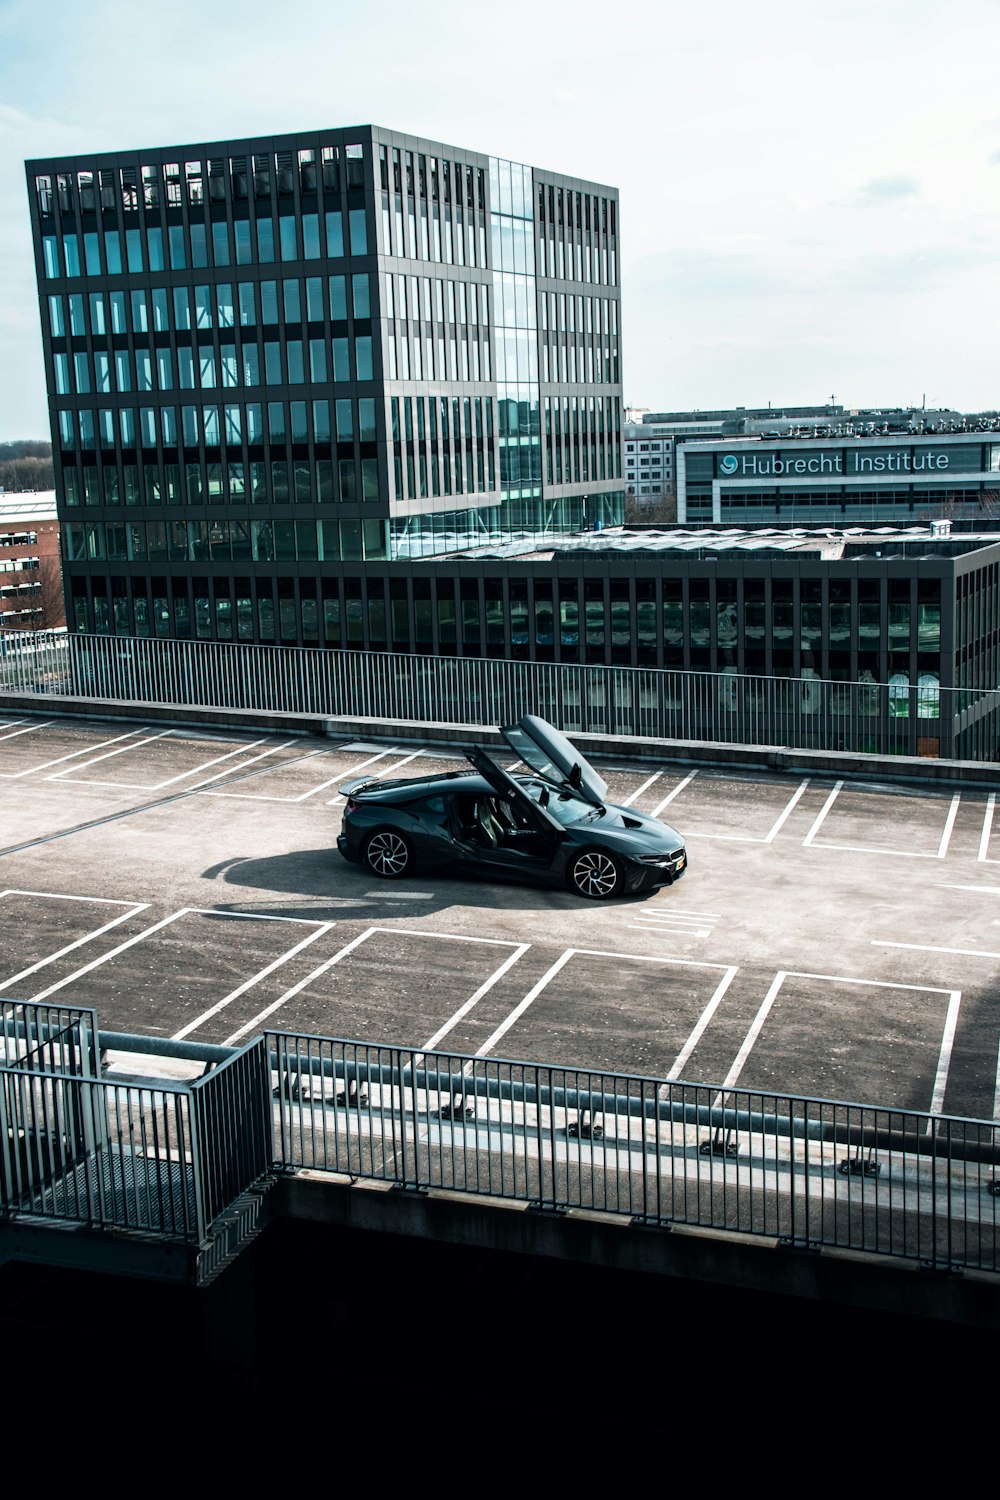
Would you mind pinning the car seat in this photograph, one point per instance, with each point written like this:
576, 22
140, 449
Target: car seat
490, 831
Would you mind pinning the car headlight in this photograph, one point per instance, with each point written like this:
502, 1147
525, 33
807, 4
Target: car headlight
663, 859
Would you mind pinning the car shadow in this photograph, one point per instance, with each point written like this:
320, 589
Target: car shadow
319, 885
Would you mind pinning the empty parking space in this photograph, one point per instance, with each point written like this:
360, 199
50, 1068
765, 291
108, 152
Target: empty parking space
833, 1037
881, 821
642, 1015
385, 985
712, 806
182, 970
155, 762
187, 884
42, 748
295, 775
42, 928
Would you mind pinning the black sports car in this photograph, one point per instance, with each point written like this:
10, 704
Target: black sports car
552, 826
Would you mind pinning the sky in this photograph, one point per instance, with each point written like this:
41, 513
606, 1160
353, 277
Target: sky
810, 193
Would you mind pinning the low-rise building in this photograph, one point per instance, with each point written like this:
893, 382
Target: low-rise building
31, 595
894, 477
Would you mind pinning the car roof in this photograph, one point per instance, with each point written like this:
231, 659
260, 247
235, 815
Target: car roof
467, 782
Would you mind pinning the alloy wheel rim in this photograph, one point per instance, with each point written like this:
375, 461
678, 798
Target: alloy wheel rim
387, 853
595, 874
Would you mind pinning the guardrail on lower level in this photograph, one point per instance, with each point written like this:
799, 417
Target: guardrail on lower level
169, 1159
811, 1172
894, 718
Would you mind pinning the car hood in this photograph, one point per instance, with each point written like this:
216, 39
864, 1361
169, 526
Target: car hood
633, 832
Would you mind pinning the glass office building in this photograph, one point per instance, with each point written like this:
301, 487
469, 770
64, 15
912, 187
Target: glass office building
271, 360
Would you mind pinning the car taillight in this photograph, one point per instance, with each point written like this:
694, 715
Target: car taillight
351, 805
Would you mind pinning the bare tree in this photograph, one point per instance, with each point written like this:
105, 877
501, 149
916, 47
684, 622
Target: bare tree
950, 507
49, 599
651, 510
26, 465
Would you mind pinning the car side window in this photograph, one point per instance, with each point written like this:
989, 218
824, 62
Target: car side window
434, 805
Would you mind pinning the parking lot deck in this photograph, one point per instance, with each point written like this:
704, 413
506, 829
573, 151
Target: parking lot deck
833, 937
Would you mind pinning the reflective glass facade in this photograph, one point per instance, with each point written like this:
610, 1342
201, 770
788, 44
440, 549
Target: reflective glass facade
268, 359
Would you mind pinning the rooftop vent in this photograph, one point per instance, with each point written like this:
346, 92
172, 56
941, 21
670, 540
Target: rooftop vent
941, 528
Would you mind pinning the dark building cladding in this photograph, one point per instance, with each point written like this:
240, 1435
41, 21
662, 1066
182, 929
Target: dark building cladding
270, 359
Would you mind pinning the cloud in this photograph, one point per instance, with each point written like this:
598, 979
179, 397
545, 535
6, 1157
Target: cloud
914, 271
886, 190
692, 271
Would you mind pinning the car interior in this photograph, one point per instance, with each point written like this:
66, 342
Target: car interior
492, 823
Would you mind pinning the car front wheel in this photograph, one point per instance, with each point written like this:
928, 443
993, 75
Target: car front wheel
595, 874
388, 854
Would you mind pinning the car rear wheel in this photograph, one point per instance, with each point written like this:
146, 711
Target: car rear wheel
388, 854
595, 874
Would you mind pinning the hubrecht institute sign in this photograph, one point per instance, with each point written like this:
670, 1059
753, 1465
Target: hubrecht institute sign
768, 465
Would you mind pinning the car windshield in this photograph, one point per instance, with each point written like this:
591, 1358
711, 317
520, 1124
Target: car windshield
561, 805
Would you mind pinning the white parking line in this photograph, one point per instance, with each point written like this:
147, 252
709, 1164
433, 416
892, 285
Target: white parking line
519, 1009
751, 838
134, 907
30, 729
949, 825
820, 816
665, 919
640, 789
671, 795
702, 1022
756, 1027
947, 1037
684, 912
536, 990
520, 948
108, 755
243, 766
776, 827
105, 957
986, 890
296, 989
944, 1058
140, 937
250, 797
984, 841
930, 948
44, 766
483, 989
213, 1010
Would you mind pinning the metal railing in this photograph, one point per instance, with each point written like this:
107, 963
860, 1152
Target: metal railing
810, 1172
174, 1160
160, 1158
727, 708
92, 1152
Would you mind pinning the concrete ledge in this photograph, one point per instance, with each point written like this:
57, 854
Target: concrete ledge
783, 760
744, 1262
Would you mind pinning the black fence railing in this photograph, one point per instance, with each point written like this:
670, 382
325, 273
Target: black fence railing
807, 712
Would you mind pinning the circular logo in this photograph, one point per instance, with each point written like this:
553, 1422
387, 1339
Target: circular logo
729, 463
